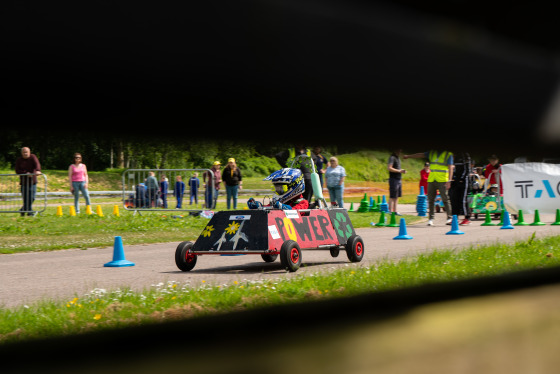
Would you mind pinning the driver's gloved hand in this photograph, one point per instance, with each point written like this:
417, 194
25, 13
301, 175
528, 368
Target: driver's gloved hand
253, 204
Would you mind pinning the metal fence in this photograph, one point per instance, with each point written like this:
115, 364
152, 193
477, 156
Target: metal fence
168, 189
19, 193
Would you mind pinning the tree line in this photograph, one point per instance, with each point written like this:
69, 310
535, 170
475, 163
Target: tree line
102, 151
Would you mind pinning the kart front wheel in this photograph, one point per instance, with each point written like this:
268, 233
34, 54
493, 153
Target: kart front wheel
184, 259
290, 255
355, 248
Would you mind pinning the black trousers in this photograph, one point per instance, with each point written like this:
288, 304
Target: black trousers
458, 196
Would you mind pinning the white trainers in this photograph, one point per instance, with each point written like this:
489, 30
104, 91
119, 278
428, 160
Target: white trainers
449, 221
431, 222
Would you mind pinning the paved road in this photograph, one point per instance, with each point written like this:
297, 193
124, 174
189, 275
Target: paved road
28, 277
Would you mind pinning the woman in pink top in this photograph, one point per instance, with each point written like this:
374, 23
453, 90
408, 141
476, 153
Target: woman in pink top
78, 178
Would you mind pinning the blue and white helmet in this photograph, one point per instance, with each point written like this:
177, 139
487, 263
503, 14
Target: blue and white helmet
288, 183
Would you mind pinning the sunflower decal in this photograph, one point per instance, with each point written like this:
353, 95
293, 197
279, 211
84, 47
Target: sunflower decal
232, 228
208, 230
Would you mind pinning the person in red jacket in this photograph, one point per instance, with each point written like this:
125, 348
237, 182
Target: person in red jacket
424, 174
493, 171
288, 186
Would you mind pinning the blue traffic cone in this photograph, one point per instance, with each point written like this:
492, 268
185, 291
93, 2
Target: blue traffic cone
455, 227
507, 222
402, 231
118, 255
422, 203
384, 207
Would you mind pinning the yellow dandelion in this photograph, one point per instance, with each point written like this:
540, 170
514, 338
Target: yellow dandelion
97, 317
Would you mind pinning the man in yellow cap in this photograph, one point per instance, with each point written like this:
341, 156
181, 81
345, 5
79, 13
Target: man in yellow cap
212, 188
233, 180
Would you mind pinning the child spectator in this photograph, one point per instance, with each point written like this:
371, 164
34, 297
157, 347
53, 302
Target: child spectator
424, 174
194, 184
179, 190
163, 187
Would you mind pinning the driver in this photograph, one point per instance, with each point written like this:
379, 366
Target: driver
289, 186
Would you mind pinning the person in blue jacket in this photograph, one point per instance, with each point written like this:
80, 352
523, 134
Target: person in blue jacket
194, 184
179, 190
163, 188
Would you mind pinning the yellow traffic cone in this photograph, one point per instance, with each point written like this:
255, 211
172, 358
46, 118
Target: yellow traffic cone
99, 211
59, 211
88, 210
72, 211
116, 211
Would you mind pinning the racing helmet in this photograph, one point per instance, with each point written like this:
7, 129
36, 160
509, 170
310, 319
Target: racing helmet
288, 183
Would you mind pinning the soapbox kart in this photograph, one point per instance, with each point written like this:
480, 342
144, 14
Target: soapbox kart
487, 202
273, 232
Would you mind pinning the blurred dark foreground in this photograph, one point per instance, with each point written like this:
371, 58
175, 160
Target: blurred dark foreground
502, 324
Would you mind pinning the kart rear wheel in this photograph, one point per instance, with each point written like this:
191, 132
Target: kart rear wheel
185, 260
355, 248
269, 258
290, 255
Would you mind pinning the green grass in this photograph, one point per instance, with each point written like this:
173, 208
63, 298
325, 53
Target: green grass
108, 309
50, 232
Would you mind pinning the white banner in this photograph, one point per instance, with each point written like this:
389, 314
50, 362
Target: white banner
531, 186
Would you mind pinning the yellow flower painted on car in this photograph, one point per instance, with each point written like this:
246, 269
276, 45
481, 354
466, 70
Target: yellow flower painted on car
232, 228
208, 230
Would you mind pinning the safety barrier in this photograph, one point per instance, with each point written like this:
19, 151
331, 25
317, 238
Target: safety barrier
141, 193
26, 198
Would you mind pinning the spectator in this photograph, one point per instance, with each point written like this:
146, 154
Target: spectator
194, 184
320, 163
492, 170
163, 190
152, 188
460, 187
395, 180
79, 181
28, 163
441, 174
212, 186
140, 198
178, 191
233, 180
285, 159
335, 176
424, 174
